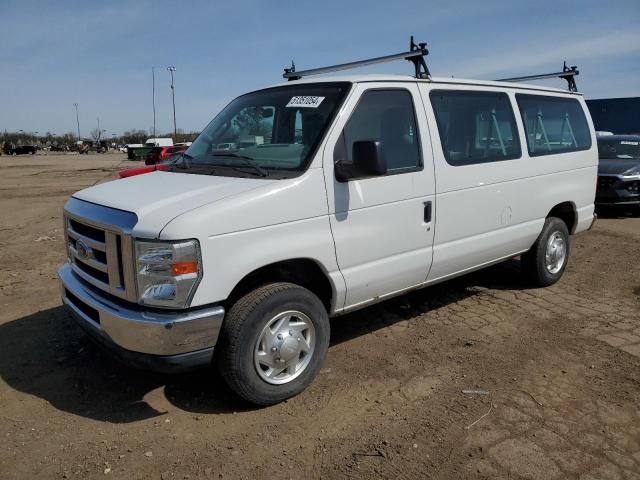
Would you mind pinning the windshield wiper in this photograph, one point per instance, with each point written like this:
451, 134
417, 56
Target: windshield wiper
184, 162
248, 161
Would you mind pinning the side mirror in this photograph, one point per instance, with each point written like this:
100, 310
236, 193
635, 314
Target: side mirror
368, 161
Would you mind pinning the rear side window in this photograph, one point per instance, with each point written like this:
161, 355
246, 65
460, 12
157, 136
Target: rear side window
475, 127
387, 116
553, 124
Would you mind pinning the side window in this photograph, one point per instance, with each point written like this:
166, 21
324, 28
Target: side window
475, 127
387, 116
553, 124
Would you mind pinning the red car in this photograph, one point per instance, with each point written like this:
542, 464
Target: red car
157, 154
130, 172
162, 165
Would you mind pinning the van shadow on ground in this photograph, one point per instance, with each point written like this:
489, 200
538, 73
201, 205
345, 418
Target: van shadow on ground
45, 354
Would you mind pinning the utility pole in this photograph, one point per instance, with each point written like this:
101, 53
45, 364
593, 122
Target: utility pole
99, 131
153, 86
77, 120
172, 70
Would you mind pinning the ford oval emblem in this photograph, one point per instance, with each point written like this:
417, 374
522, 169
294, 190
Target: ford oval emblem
83, 250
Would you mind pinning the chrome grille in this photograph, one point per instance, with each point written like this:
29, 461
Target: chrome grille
101, 254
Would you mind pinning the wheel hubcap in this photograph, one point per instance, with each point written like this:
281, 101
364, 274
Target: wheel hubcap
556, 253
284, 347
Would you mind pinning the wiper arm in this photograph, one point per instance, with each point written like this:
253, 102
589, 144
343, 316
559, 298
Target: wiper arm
183, 163
248, 161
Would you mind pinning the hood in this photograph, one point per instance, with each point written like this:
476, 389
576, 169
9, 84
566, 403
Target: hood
158, 197
614, 166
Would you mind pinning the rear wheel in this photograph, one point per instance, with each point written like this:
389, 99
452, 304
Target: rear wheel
547, 259
273, 342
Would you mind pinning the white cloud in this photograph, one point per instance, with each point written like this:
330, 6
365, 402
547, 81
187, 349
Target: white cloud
520, 59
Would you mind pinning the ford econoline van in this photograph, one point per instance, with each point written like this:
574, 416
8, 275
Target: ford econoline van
361, 188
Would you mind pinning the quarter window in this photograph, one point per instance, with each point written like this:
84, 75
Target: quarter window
475, 127
388, 117
553, 124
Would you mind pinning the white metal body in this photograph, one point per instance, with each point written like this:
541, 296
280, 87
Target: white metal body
369, 235
160, 142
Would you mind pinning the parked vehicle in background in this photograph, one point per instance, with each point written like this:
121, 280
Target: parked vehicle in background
21, 150
157, 154
619, 171
162, 165
59, 148
329, 195
159, 142
139, 152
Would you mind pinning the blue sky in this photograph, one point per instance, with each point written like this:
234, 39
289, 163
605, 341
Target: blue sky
100, 54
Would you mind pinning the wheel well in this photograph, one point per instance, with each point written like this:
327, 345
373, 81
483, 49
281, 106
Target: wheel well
302, 271
566, 212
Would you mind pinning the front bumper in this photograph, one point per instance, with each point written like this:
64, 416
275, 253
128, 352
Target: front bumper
155, 340
616, 190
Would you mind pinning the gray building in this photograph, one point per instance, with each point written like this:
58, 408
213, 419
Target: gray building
617, 115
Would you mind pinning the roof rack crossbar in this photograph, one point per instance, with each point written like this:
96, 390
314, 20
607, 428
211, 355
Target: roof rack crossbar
567, 73
415, 55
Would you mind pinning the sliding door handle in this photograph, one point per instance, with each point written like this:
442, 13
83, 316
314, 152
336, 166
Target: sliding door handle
427, 212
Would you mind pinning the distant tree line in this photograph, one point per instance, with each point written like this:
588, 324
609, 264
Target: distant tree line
70, 138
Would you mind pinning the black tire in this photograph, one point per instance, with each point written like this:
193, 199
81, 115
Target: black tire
242, 327
534, 262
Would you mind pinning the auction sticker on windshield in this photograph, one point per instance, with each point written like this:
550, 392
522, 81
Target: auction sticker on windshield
305, 101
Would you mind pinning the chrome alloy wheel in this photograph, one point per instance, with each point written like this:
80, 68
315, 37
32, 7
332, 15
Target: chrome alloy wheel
556, 253
284, 347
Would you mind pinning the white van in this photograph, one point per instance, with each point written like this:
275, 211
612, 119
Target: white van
159, 142
364, 187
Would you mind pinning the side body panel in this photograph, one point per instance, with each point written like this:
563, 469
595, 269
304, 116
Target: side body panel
494, 210
282, 221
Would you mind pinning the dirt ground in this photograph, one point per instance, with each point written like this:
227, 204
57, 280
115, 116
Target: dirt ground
562, 365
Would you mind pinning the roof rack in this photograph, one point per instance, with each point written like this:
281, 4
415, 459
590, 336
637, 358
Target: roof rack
415, 55
567, 73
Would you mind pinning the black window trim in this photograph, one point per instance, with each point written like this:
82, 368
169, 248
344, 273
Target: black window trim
515, 156
554, 98
396, 171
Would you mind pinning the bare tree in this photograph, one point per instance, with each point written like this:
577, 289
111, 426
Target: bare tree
95, 134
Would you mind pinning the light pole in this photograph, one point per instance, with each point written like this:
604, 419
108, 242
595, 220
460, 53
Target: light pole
153, 90
35, 137
172, 70
77, 120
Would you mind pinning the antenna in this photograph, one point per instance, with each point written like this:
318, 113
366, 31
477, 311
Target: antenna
567, 73
415, 55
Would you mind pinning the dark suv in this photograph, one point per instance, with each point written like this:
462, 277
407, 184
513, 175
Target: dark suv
11, 149
619, 171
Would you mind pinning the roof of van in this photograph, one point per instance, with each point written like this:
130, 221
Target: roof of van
433, 80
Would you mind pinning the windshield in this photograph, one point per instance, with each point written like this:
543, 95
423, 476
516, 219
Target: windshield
619, 149
271, 132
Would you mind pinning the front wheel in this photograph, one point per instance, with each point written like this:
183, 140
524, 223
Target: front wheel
546, 260
273, 342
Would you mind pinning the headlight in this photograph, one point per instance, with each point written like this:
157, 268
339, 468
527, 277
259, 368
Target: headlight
632, 172
167, 272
